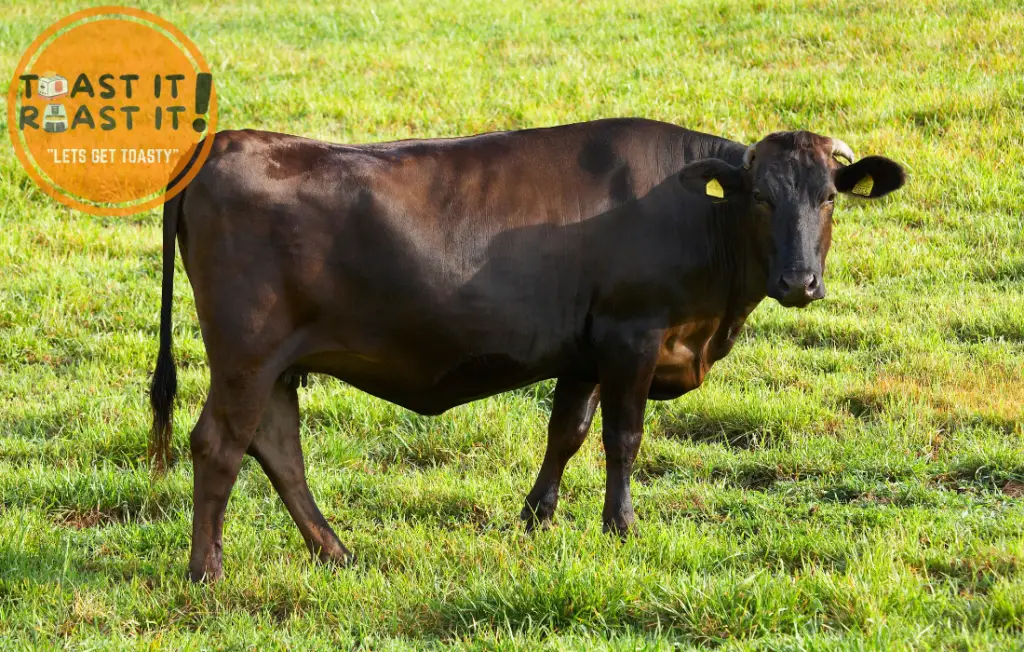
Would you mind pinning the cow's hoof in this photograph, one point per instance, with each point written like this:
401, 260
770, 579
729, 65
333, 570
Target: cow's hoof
621, 525
205, 568
204, 575
333, 554
342, 559
537, 518
534, 520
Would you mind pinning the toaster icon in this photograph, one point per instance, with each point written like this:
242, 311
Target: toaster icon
52, 85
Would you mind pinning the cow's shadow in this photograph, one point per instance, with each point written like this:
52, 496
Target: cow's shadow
740, 433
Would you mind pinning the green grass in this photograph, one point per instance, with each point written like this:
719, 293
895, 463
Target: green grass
849, 478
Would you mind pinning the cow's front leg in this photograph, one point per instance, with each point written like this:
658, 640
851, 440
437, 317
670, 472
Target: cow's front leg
627, 367
571, 413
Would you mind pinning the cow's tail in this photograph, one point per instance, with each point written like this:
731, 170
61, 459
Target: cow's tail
165, 381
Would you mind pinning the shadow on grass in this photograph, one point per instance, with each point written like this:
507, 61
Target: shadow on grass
973, 330
908, 400
753, 476
982, 475
864, 405
1007, 272
735, 430
698, 612
976, 574
845, 335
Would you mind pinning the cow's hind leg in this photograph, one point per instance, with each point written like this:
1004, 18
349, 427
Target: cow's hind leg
571, 413
219, 441
278, 449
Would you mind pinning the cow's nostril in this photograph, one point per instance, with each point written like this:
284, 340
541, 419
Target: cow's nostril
799, 287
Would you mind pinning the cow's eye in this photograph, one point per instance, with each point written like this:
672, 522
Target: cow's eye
762, 198
831, 199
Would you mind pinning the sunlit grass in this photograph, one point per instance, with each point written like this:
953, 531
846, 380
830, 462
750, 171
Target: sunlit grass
851, 477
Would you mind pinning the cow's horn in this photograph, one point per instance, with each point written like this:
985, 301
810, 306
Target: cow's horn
839, 148
748, 157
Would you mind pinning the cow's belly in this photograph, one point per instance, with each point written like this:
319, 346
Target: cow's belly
430, 375
465, 381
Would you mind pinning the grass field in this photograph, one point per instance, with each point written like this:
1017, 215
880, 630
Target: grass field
851, 477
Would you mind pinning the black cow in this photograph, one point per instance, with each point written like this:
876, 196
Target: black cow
619, 254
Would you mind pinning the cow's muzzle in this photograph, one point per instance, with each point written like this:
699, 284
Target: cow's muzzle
797, 288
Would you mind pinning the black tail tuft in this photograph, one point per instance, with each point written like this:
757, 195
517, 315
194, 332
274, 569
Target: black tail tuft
161, 398
165, 380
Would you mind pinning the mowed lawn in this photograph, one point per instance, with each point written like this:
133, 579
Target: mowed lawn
850, 477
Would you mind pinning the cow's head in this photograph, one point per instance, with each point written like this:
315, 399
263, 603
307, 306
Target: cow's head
790, 180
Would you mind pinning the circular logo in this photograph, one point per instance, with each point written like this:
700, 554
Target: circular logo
109, 110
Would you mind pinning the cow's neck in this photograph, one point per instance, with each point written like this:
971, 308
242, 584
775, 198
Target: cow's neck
742, 263
742, 257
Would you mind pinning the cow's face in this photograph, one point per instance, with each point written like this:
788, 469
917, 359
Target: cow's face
793, 178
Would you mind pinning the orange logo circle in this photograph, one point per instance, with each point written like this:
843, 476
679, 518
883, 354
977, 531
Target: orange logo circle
109, 110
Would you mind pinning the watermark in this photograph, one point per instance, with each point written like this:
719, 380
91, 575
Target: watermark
108, 106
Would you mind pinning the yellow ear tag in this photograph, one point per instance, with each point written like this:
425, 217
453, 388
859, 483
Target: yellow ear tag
714, 189
864, 186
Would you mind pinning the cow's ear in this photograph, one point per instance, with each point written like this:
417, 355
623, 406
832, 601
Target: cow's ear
870, 177
713, 177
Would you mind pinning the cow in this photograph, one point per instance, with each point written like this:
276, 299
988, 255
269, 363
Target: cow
620, 257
